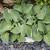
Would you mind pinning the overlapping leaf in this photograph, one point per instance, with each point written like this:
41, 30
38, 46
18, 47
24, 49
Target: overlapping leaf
4, 26
26, 19
41, 26
5, 37
24, 8
27, 8
47, 17
42, 13
18, 8
6, 15
47, 38
35, 34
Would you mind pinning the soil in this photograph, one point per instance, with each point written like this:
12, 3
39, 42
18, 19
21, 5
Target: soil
25, 46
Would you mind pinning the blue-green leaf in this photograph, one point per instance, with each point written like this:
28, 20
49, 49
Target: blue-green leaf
5, 37
27, 8
35, 34
41, 14
47, 38
4, 26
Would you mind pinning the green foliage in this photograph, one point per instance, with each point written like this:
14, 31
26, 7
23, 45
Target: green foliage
24, 19
47, 37
36, 34
5, 37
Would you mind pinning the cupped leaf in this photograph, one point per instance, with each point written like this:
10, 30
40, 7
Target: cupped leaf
35, 34
47, 38
18, 8
4, 26
28, 31
5, 37
41, 26
30, 20
47, 17
21, 38
27, 8
16, 30
41, 14
24, 29
14, 15
48, 27
13, 37
37, 8
7, 15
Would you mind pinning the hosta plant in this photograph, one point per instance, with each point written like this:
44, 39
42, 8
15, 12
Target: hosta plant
25, 20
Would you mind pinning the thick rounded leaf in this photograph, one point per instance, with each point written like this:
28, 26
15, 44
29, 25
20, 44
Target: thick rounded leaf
13, 37
14, 15
47, 17
30, 20
16, 30
4, 26
47, 38
24, 8
48, 28
7, 15
20, 38
27, 8
37, 8
35, 34
5, 37
42, 13
28, 31
18, 8
19, 29
25, 29
41, 26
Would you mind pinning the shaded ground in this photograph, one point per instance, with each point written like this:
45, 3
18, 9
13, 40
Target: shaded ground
25, 46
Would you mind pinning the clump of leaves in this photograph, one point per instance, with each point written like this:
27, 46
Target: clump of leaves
24, 19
